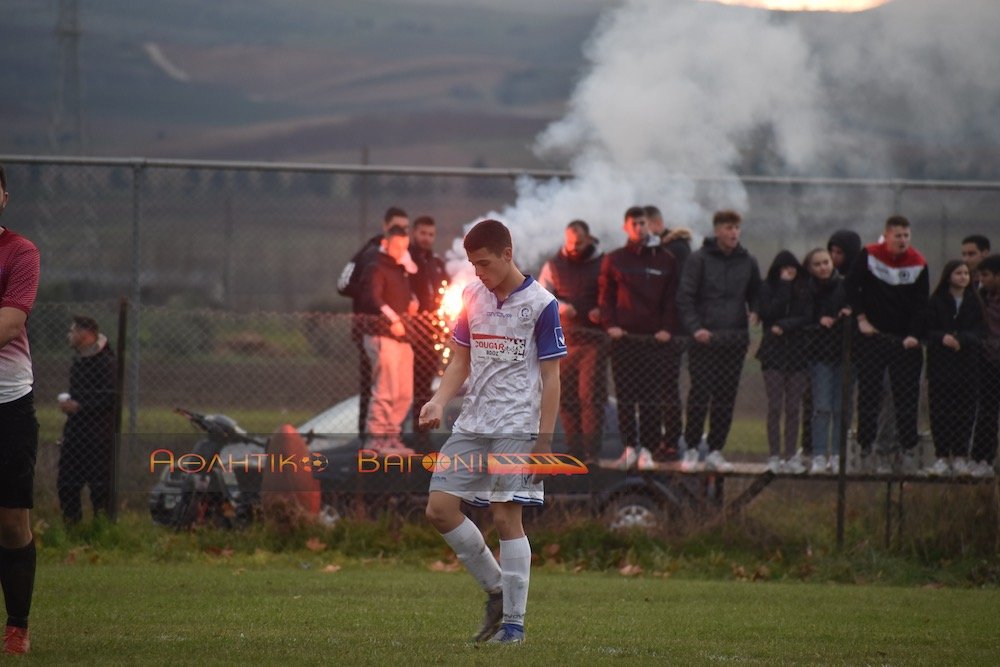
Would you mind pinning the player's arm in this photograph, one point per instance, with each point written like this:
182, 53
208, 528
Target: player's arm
549, 370
454, 377
11, 323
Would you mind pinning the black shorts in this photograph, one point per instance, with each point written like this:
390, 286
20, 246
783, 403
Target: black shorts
18, 449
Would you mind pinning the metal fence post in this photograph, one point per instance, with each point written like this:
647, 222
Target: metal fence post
133, 401
119, 397
845, 423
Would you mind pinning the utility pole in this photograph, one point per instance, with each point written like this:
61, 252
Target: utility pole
66, 134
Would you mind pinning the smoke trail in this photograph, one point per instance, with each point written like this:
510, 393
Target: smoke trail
676, 89
672, 89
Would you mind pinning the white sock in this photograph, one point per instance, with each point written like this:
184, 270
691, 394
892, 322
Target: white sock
469, 546
515, 563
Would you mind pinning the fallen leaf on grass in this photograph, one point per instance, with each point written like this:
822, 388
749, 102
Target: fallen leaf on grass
630, 570
224, 552
315, 545
441, 566
331, 568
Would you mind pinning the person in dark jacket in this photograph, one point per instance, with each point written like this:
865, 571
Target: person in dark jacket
425, 329
717, 299
572, 275
984, 441
387, 299
785, 309
887, 289
349, 285
678, 242
954, 329
637, 289
844, 247
88, 436
824, 346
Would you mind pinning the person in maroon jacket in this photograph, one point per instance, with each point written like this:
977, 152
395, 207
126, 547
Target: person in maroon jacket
887, 289
19, 268
388, 299
572, 276
637, 288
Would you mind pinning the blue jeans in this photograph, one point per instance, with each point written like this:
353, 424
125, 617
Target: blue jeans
827, 397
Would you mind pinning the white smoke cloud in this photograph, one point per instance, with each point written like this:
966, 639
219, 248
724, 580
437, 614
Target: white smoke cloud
676, 89
672, 89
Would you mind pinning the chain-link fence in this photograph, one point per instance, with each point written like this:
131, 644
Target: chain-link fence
231, 271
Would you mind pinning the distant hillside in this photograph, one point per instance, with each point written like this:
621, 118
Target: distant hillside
418, 83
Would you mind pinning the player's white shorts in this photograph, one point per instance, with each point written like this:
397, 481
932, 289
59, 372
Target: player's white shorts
462, 470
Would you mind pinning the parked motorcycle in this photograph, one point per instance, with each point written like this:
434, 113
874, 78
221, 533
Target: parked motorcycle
218, 482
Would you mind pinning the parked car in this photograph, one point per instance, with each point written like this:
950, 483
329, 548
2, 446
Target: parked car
623, 499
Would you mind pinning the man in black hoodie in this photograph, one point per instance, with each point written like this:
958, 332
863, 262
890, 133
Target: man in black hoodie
844, 246
88, 437
887, 289
638, 286
717, 300
425, 329
572, 277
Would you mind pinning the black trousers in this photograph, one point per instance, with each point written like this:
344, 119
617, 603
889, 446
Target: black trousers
86, 463
984, 439
715, 378
876, 355
953, 412
637, 365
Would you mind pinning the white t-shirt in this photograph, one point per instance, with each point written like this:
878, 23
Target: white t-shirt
506, 342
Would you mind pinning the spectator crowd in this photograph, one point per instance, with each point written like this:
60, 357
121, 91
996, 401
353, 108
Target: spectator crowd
850, 330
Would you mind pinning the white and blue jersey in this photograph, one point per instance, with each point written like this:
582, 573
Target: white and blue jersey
506, 341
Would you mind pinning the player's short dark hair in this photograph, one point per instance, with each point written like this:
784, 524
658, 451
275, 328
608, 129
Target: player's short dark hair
580, 226
725, 217
982, 243
989, 264
394, 212
897, 221
422, 221
635, 212
3, 179
492, 235
652, 212
86, 323
395, 230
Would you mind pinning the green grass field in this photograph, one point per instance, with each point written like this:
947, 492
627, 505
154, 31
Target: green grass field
237, 612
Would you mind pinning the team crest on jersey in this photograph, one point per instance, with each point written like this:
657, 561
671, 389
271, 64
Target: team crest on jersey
525, 313
560, 338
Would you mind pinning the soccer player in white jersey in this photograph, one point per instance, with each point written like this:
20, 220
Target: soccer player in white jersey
507, 343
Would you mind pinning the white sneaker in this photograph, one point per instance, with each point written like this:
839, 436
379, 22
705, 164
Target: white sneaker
907, 464
818, 465
981, 470
774, 464
939, 468
645, 460
716, 461
959, 466
835, 464
690, 459
627, 460
794, 466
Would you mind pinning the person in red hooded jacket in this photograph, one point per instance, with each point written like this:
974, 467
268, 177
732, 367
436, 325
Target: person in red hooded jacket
887, 289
